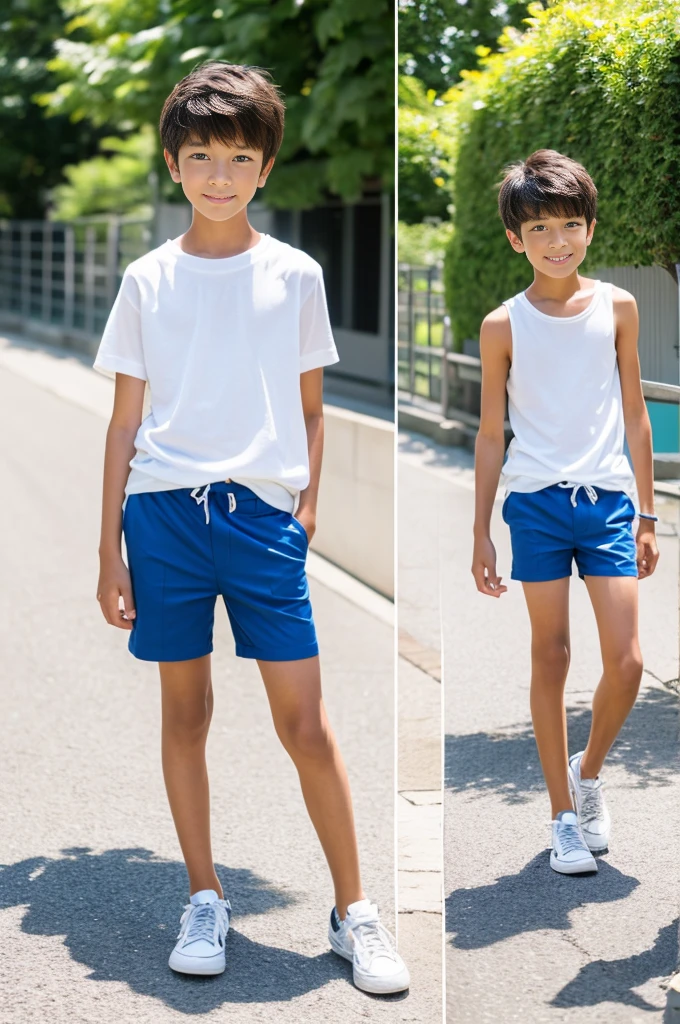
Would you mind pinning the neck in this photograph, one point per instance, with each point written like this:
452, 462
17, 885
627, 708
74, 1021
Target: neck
555, 289
218, 239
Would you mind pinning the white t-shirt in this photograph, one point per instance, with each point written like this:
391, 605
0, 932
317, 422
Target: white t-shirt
222, 344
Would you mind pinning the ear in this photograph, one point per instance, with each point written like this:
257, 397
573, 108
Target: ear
172, 166
591, 229
515, 241
264, 173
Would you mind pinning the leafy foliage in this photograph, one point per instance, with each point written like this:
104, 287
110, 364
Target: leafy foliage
440, 38
423, 244
116, 184
598, 80
333, 59
33, 150
426, 131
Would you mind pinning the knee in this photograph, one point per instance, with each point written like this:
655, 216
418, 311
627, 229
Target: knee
187, 722
551, 657
625, 670
307, 737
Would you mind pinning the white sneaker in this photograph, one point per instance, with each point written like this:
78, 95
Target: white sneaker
361, 938
588, 797
203, 929
570, 854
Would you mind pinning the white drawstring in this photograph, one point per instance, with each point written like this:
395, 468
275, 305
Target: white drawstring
202, 499
590, 491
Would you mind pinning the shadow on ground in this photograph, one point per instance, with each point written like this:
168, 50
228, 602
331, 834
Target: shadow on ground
119, 914
534, 899
506, 763
604, 980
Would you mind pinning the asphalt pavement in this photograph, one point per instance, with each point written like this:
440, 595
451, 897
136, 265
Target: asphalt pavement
92, 884
523, 943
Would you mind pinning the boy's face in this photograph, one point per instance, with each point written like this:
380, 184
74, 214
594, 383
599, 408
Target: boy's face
555, 246
218, 180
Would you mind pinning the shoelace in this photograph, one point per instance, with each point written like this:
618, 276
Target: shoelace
590, 491
202, 499
204, 921
571, 837
591, 802
372, 938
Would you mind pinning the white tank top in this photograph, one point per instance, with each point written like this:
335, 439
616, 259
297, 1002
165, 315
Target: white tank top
564, 399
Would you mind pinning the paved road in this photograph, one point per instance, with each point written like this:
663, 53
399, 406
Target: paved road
524, 944
92, 886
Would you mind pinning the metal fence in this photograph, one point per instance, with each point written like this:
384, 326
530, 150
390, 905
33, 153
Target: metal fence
67, 275
423, 332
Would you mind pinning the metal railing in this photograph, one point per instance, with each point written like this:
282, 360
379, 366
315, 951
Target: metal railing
67, 274
423, 331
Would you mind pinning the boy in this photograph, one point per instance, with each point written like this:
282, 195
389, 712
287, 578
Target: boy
565, 352
230, 329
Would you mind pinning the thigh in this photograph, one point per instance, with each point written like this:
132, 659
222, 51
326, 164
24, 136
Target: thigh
293, 689
172, 575
186, 690
615, 603
548, 607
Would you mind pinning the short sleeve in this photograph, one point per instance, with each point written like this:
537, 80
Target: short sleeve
120, 349
317, 347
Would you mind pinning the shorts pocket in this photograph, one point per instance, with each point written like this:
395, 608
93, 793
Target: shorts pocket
504, 507
300, 530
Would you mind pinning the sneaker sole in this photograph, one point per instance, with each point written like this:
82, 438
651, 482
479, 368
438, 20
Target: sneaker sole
374, 986
578, 867
197, 964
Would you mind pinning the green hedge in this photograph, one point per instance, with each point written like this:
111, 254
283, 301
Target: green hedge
599, 81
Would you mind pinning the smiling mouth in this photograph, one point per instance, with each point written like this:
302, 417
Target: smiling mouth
218, 199
559, 259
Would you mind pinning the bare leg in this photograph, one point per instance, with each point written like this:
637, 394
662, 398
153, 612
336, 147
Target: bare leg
615, 603
548, 606
294, 692
187, 704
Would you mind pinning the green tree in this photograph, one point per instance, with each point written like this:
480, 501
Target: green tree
440, 38
332, 58
34, 150
115, 184
426, 134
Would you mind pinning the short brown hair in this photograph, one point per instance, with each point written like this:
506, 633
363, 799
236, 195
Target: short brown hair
232, 103
546, 184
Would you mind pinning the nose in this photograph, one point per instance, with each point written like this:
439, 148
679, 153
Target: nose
221, 174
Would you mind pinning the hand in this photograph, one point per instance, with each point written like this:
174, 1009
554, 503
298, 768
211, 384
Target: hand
647, 550
484, 568
114, 583
307, 520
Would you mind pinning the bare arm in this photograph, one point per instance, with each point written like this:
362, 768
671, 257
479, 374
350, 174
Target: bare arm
114, 578
495, 342
311, 390
638, 427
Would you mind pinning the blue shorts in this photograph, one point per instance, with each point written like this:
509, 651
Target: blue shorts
550, 527
185, 547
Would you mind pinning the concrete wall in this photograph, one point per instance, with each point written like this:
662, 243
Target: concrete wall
355, 520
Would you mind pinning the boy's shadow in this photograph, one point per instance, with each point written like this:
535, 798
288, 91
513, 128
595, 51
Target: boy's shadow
119, 913
534, 899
